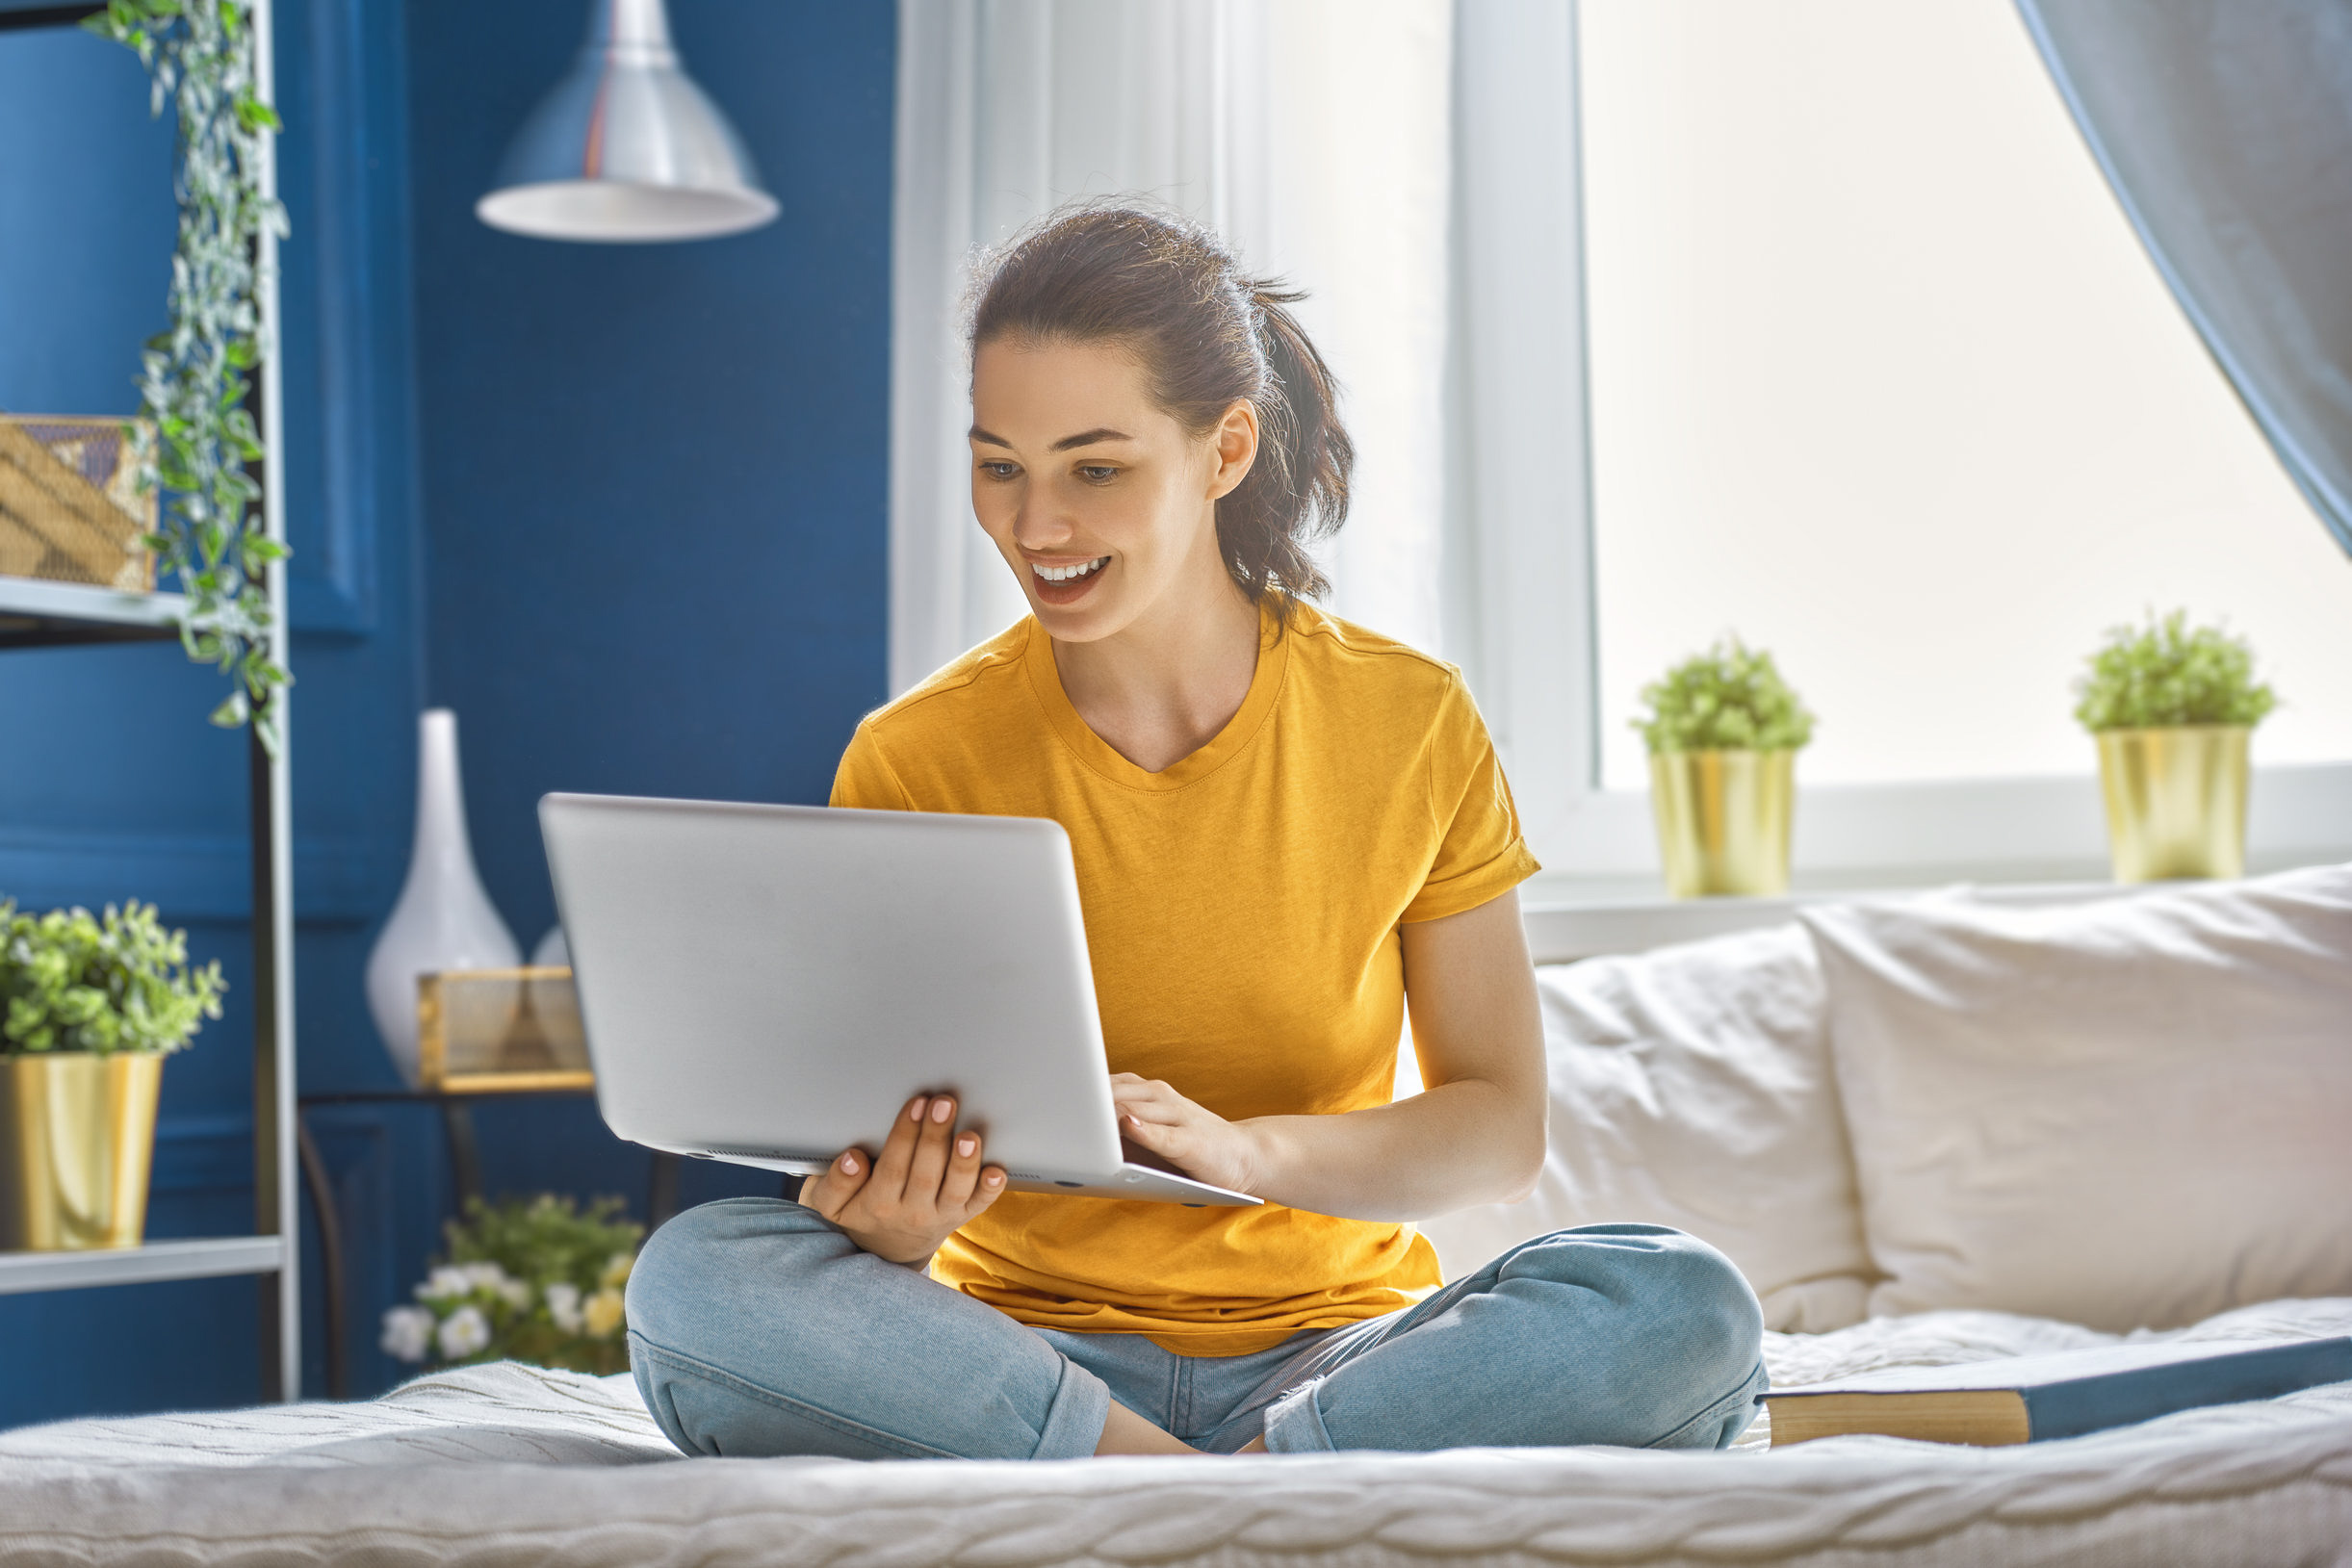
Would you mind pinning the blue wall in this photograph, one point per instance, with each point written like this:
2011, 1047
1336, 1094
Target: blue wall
655, 475
621, 507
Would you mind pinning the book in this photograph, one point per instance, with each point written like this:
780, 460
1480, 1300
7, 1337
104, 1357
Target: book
2035, 1397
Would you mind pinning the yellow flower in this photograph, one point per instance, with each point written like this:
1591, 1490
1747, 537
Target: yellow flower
616, 1271
603, 1314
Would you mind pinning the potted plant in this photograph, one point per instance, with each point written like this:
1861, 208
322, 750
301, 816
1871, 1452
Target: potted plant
2173, 708
93, 1006
1723, 730
526, 1280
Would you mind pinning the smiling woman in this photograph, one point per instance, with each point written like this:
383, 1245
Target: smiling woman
1287, 829
1140, 378
1221, 351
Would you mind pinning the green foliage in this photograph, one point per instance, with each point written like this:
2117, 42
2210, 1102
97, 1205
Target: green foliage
544, 1239
2164, 672
73, 982
1730, 698
528, 1279
192, 381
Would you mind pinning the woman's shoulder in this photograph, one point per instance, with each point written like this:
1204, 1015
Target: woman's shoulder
1354, 659
909, 754
945, 698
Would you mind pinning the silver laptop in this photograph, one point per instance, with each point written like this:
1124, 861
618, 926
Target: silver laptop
769, 985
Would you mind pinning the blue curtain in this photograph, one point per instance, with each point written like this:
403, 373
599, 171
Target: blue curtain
2225, 127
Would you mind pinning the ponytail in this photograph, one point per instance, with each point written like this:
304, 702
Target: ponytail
1208, 337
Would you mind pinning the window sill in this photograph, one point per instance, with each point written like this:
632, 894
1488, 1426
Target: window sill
1568, 919
1600, 847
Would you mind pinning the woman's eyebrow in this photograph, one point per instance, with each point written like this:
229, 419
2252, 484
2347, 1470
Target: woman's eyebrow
1087, 438
1084, 438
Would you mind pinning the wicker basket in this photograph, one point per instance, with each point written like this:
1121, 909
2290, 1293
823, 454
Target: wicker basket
488, 1031
70, 509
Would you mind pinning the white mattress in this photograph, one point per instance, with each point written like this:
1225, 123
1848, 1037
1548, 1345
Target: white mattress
510, 1465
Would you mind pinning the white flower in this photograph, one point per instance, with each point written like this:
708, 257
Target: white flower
517, 1293
408, 1333
604, 1313
563, 1305
487, 1276
445, 1284
463, 1333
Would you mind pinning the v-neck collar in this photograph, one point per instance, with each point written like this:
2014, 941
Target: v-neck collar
1101, 757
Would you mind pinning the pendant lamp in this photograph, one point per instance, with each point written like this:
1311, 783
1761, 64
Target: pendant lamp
627, 148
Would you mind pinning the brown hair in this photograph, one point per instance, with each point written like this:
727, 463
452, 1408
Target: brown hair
1208, 336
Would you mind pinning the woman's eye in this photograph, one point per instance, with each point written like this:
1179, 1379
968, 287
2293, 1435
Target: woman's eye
1096, 472
1000, 469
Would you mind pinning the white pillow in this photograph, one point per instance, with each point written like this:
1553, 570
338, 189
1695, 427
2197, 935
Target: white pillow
2130, 1112
1690, 1087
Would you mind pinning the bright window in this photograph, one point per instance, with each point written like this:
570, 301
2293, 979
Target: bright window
1882, 379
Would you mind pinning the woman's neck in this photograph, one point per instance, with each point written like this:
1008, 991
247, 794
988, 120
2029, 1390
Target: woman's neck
1162, 687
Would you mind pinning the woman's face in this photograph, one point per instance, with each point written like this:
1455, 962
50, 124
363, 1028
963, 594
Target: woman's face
1100, 503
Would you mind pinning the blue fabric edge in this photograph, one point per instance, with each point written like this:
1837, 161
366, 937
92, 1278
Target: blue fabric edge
2334, 511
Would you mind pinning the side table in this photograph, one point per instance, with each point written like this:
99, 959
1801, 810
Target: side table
465, 1169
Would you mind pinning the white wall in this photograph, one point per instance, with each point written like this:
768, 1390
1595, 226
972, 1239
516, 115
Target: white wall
1882, 379
1315, 135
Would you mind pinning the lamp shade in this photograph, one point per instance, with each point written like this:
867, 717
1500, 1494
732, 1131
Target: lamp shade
627, 148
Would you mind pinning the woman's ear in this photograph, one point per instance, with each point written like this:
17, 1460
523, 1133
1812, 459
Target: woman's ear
1234, 444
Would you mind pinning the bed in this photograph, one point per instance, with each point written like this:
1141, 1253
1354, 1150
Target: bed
510, 1465
1928, 1132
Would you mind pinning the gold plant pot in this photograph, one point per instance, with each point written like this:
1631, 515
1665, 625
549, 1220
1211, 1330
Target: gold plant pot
77, 1137
1723, 820
2176, 801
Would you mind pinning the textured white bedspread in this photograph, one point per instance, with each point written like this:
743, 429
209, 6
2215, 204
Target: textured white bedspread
510, 1465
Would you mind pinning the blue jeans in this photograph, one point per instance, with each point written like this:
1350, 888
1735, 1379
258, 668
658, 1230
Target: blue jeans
756, 1328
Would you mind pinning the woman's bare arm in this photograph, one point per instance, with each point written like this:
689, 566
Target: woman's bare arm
1473, 1135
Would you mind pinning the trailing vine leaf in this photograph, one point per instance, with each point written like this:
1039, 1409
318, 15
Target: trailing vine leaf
192, 380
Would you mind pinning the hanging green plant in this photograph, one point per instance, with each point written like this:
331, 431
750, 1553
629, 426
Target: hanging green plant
194, 379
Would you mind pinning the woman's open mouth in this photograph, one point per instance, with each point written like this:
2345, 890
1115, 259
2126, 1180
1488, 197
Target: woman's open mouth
1065, 585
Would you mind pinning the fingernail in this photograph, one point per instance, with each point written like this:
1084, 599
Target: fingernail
941, 1109
965, 1146
995, 1178
850, 1164
915, 1111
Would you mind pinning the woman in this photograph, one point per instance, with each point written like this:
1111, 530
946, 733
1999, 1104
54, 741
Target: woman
1286, 829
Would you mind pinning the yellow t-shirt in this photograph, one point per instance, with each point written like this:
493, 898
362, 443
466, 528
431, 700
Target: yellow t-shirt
1241, 911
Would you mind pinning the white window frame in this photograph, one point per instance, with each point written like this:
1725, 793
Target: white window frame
1526, 508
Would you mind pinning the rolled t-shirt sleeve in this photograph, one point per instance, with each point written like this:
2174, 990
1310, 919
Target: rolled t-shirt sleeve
1481, 854
865, 778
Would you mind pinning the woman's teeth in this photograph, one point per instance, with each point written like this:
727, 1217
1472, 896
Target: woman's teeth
1064, 573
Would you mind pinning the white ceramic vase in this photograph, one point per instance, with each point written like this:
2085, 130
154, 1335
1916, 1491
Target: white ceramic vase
445, 919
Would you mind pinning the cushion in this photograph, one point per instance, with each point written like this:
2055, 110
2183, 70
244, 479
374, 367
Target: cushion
1691, 1087
2134, 1112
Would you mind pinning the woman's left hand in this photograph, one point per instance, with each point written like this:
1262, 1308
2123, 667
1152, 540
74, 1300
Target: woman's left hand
1198, 1141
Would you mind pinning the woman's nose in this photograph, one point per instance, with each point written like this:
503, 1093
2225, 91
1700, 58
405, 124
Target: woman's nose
1039, 526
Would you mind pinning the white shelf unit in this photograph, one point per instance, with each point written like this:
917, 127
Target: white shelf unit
206, 1257
41, 614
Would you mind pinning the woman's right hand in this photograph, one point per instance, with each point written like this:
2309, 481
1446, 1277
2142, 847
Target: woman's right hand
902, 1204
